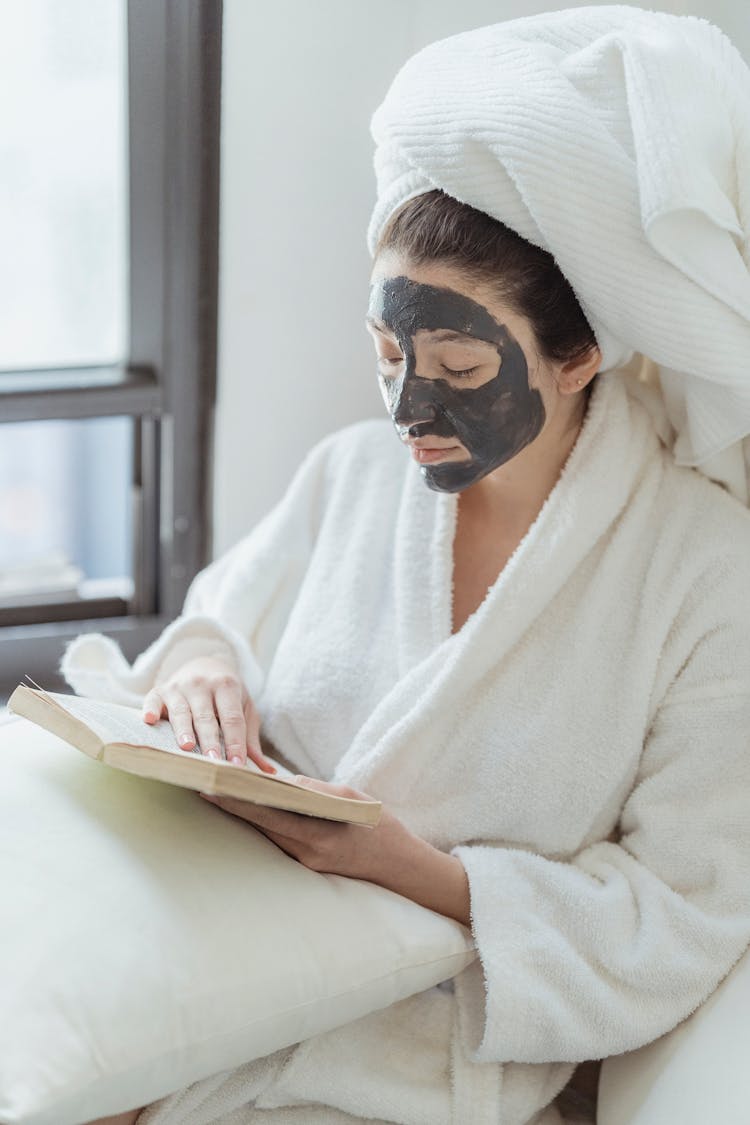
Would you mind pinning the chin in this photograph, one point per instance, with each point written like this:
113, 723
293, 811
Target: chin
452, 476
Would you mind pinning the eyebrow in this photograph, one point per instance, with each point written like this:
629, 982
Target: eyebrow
444, 335
441, 335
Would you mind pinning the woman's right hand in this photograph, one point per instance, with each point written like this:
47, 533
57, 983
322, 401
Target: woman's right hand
202, 698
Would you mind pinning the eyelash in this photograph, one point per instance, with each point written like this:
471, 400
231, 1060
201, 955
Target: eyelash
460, 374
465, 374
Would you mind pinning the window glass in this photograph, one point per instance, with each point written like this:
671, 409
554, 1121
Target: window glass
63, 204
65, 509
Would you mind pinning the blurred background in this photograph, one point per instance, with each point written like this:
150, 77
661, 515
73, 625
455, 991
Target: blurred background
184, 196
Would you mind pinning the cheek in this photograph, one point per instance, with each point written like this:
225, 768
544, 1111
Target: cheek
494, 411
508, 407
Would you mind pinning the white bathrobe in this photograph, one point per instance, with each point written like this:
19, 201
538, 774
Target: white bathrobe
602, 688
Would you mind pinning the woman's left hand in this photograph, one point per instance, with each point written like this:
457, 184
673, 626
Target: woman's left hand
389, 854
330, 846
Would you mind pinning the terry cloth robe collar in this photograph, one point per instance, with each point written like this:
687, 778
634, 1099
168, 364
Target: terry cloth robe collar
438, 668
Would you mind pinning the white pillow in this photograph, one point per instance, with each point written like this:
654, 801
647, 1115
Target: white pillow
148, 939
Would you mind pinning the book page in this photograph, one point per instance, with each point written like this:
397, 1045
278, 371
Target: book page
114, 723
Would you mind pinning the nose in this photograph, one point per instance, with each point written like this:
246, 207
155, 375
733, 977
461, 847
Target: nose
415, 404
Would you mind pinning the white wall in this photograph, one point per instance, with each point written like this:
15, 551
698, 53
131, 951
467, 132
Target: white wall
301, 81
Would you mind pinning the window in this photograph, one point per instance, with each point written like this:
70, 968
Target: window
108, 293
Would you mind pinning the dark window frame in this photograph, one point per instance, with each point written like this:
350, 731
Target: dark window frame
168, 383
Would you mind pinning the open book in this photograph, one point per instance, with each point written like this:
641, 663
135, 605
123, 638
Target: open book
119, 737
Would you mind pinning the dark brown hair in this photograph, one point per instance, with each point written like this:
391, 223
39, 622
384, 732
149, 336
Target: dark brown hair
434, 227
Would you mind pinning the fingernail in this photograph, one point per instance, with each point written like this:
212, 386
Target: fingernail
185, 740
213, 753
269, 766
236, 760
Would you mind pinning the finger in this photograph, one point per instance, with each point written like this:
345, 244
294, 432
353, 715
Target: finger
306, 853
295, 826
292, 848
287, 844
180, 717
153, 707
231, 716
254, 752
201, 704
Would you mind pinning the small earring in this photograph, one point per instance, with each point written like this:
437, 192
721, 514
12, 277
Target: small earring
578, 382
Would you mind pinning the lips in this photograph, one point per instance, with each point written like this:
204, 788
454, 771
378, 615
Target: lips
425, 454
426, 444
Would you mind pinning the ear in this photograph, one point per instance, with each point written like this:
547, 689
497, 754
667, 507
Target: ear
578, 373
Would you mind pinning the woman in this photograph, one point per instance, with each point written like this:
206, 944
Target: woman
529, 634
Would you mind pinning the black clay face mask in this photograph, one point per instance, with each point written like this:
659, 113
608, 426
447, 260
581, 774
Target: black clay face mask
494, 421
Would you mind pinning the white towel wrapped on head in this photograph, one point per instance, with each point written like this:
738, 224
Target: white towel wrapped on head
619, 140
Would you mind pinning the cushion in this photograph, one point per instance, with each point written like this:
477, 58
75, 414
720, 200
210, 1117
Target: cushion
695, 1074
149, 939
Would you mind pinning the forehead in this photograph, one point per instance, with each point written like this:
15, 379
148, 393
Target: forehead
405, 305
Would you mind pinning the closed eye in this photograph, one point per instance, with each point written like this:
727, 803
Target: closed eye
389, 361
465, 374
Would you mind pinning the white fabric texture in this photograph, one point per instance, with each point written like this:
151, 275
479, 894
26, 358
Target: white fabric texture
617, 139
601, 688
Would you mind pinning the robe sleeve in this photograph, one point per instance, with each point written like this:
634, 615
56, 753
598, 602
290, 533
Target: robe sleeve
237, 607
606, 952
